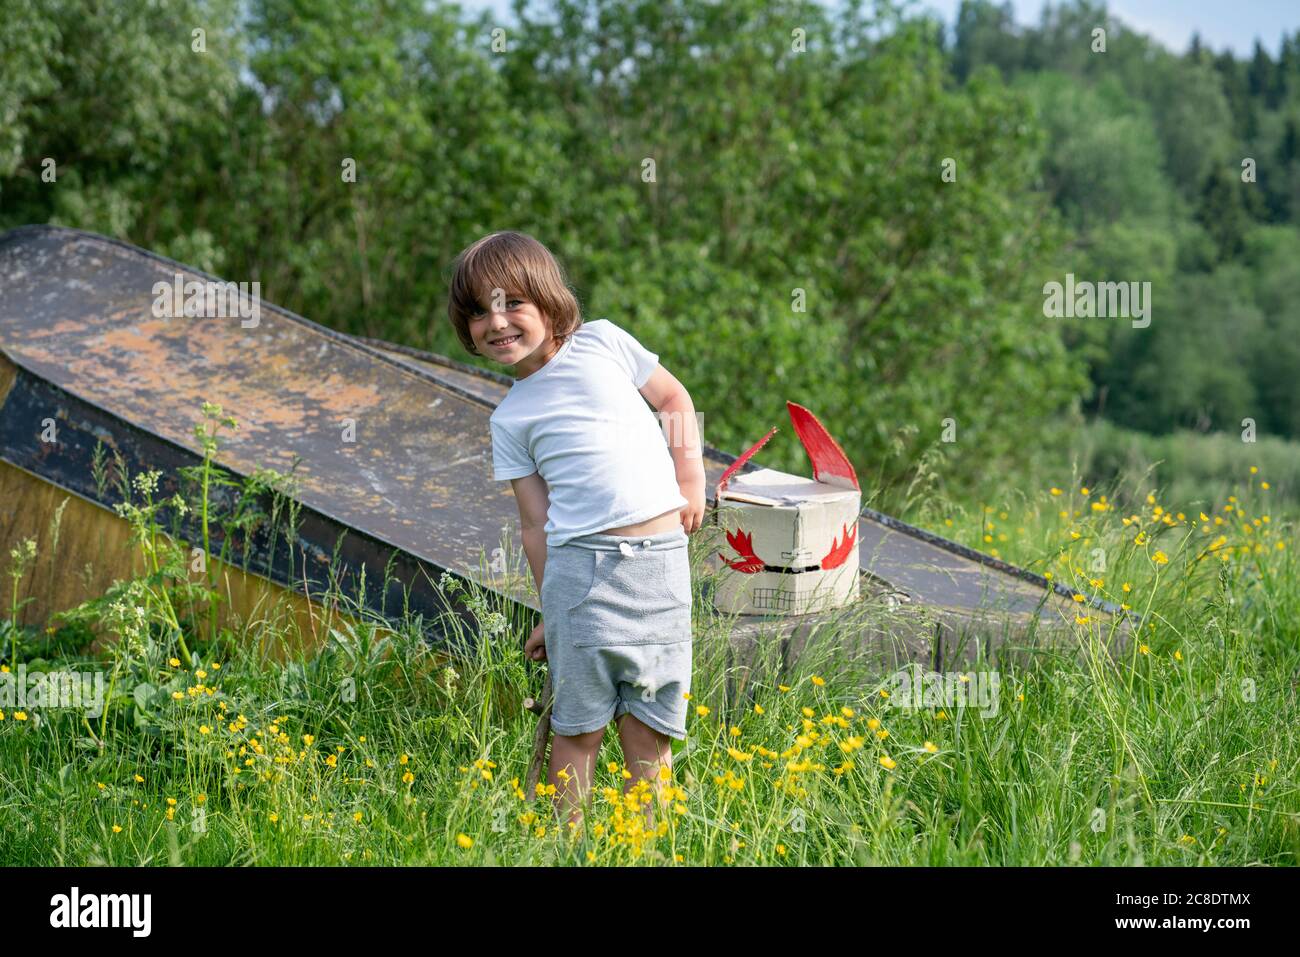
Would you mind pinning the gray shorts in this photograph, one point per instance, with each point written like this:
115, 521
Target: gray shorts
617, 613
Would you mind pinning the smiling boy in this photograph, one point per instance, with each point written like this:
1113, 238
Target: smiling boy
605, 505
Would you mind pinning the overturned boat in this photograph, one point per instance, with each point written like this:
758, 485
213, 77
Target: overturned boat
104, 346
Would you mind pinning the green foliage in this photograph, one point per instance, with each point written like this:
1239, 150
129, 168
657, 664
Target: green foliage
820, 171
1145, 159
1192, 468
816, 174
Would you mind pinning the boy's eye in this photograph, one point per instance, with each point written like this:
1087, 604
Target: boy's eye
481, 311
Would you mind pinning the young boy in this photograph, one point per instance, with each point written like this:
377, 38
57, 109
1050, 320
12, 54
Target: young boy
605, 505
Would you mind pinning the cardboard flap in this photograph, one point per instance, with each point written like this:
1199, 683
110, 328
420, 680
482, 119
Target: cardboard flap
829, 463
734, 467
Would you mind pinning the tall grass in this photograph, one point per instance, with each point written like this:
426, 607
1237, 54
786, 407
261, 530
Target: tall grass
1180, 749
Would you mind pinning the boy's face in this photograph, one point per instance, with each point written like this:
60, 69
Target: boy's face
518, 335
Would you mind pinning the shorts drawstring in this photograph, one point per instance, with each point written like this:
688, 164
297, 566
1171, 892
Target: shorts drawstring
628, 545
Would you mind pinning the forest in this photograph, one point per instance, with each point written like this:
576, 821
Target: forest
867, 204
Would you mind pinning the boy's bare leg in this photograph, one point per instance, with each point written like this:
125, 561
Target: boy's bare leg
645, 751
575, 755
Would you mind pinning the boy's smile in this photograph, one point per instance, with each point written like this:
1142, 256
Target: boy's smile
518, 335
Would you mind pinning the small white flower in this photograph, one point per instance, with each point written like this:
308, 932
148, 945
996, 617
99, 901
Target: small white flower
147, 482
24, 552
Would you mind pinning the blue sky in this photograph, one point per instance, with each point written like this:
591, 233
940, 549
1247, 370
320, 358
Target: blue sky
1222, 23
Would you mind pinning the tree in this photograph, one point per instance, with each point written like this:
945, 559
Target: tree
1222, 212
985, 36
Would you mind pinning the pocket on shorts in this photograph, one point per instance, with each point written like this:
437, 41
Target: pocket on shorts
652, 574
644, 599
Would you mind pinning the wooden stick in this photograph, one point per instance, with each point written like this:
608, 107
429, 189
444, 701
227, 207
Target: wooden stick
541, 737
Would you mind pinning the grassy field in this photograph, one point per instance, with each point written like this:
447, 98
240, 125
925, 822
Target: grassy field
1182, 750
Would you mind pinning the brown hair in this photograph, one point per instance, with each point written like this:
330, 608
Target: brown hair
518, 264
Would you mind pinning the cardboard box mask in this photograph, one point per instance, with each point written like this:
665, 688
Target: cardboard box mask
793, 546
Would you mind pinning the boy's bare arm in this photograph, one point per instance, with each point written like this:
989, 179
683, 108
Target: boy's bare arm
682, 433
533, 498
677, 415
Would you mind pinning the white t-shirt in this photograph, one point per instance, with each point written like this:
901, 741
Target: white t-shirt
581, 422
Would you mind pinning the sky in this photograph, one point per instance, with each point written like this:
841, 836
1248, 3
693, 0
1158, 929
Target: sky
1222, 23
1233, 24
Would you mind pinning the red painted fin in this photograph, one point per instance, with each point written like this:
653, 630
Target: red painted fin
736, 465
829, 463
743, 543
840, 548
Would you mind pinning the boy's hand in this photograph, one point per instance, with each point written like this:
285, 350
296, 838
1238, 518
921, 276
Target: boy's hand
535, 646
692, 489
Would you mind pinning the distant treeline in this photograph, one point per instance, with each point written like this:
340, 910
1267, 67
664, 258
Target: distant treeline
1178, 169
855, 211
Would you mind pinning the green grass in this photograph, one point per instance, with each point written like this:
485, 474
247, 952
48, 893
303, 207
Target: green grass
1183, 749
